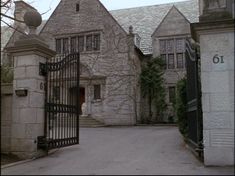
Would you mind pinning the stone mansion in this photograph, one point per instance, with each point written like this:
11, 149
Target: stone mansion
113, 45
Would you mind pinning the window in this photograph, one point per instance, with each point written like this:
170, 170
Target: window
58, 46
163, 56
97, 42
171, 63
171, 94
180, 60
97, 92
81, 43
56, 93
170, 46
65, 45
173, 52
77, 7
89, 43
73, 44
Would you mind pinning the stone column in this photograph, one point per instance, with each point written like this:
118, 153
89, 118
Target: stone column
28, 95
216, 38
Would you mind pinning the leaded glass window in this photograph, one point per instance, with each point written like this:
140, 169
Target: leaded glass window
81, 43
89, 43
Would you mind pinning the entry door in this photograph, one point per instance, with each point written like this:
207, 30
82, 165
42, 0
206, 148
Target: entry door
82, 98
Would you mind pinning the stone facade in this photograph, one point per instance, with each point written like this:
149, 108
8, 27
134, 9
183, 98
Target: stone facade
110, 67
216, 37
6, 117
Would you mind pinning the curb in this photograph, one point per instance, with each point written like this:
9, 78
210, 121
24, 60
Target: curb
16, 163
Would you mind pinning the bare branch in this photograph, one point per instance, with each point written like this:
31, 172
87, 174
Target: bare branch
13, 27
12, 18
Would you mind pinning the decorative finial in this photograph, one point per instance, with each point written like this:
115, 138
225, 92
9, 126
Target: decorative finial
32, 19
131, 29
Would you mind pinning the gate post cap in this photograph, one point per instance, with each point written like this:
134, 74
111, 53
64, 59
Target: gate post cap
32, 19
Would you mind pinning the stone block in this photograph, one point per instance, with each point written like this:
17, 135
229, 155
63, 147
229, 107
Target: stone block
18, 131
221, 102
5, 144
219, 82
205, 102
28, 115
36, 100
15, 116
217, 120
32, 72
21, 102
205, 82
218, 156
26, 60
23, 145
5, 131
206, 138
222, 137
19, 72
32, 131
30, 84
40, 115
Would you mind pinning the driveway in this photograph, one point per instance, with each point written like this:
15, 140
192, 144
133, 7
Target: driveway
121, 150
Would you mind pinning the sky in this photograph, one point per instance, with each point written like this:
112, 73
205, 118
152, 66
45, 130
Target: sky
45, 5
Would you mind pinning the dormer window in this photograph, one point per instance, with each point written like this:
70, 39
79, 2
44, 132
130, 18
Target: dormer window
77, 7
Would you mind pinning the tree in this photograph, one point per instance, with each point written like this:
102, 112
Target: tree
152, 86
181, 106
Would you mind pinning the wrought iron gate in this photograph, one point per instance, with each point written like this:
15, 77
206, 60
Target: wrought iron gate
194, 110
61, 102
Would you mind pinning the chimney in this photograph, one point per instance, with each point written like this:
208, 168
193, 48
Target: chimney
21, 8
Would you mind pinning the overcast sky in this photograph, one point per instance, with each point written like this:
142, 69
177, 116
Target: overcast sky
44, 5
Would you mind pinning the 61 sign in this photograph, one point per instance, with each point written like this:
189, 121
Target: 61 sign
218, 59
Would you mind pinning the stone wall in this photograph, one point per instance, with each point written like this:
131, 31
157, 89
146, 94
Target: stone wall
6, 117
218, 98
111, 62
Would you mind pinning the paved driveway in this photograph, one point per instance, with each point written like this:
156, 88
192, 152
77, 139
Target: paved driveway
121, 150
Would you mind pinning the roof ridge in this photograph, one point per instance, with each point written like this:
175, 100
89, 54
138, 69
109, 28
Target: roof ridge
169, 3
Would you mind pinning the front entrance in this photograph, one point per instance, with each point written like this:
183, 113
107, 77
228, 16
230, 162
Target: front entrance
81, 94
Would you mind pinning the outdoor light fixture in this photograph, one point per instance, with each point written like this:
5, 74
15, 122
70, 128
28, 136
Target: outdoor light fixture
22, 92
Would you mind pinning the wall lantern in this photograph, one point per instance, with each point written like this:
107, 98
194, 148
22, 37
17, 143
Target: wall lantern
22, 92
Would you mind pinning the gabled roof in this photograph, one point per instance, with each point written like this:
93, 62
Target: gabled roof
146, 19
167, 16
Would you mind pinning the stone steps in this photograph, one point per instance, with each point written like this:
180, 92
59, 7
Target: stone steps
89, 122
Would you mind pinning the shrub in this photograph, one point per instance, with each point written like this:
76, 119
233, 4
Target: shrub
180, 107
6, 74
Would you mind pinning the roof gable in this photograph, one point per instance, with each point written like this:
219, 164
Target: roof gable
173, 20
68, 21
146, 19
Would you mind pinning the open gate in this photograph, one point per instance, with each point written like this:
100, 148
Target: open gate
194, 110
61, 102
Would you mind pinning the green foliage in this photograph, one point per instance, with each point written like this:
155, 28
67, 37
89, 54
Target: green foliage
6, 74
180, 106
152, 86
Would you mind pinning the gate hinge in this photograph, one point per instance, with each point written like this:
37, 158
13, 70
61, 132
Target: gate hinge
42, 69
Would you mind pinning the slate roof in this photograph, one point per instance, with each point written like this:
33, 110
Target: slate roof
144, 20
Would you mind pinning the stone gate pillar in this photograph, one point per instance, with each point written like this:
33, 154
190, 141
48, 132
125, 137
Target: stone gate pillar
215, 33
28, 90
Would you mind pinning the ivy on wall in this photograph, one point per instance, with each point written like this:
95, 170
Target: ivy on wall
6, 74
152, 87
